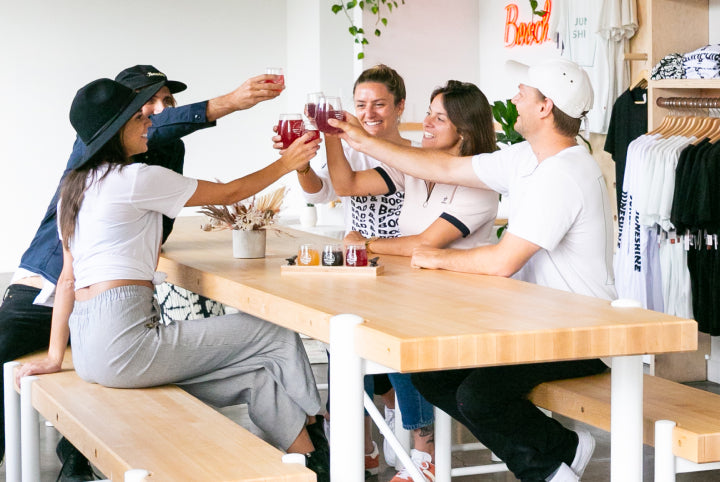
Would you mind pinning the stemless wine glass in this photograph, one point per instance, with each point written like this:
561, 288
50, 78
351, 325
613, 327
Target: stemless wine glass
308, 255
329, 108
290, 127
332, 255
275, 71
356, 255
311, 103
312, 129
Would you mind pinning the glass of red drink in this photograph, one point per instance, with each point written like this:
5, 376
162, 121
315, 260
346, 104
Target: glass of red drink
329, 108
356, 255
275, 71
311, 129
313, 98
290, 127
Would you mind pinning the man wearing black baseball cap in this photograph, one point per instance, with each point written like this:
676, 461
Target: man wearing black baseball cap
26, 310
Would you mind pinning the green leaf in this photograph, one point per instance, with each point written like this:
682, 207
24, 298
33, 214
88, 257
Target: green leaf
353, 30
384, 21
336, 8
389, 6
377, 32
360, 30
362, 5
533, 5
352, 4
361, 56
364, 41
374, 9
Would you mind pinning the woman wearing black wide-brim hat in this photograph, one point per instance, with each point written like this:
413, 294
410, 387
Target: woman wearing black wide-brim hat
110, 221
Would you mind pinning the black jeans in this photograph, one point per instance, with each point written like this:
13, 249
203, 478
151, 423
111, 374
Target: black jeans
492, 403
24, 329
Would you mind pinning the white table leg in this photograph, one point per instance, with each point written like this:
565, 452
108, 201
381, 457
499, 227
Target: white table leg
626, 424
12, 424
347, 462
30, 432
443, 446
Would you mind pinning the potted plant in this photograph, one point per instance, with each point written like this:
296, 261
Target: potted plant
249, 221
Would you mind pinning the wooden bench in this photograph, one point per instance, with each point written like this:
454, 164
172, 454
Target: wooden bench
163, 430
681, 422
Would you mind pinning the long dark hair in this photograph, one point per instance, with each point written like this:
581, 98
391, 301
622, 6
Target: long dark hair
470, 112
72, 192
387, 76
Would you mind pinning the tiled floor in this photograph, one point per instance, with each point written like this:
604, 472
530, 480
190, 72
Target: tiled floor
598, 470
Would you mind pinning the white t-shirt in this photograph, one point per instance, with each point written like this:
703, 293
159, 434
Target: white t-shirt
561, 205
119, 227
369, 215
471, 211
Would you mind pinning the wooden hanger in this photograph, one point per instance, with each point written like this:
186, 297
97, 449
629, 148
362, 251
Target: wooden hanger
641, 81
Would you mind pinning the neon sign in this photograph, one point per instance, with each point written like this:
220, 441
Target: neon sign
526, 33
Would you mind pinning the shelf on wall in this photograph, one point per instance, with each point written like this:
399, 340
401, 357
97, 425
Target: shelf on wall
686, 84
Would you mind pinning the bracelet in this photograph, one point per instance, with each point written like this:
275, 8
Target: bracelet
368, 241
305, 170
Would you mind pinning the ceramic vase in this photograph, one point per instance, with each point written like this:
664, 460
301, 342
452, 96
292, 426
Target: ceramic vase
249, 244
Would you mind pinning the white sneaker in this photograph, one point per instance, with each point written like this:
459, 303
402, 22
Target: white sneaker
388, 452
564, 474
423, 461
583, 454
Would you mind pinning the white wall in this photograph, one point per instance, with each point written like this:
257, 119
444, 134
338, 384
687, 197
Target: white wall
430, 42
51, 48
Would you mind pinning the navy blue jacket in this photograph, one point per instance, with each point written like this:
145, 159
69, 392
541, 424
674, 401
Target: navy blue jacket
44, 256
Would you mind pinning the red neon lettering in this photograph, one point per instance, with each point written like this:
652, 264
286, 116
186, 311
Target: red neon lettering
512, 16
526, 33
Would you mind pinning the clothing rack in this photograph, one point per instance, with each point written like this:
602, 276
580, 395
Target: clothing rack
689, 102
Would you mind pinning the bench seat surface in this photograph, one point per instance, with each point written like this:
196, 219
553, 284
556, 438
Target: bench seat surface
164, 430
696, 436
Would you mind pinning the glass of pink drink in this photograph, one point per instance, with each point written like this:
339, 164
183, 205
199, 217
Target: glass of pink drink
329, 108
290, 127
356, 255
275, 71
313, 98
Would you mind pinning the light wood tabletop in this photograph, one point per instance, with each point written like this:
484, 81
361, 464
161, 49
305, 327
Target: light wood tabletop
418, 319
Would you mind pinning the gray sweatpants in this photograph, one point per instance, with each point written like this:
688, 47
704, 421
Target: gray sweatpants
118, 341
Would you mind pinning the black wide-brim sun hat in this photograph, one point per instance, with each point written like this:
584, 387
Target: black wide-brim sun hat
101, 108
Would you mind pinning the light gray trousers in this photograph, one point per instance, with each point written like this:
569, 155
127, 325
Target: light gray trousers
118, 341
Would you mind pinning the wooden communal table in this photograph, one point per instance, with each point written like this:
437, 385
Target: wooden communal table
410, 320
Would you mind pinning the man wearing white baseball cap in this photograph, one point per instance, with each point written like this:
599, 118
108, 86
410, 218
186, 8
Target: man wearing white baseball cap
559, 235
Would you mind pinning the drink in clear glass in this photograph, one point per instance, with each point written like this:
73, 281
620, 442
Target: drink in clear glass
329, 108
290, 127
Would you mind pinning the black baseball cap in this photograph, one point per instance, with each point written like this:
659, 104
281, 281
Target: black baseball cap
141, 76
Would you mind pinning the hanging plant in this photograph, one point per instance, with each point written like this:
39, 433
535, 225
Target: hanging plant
376, 7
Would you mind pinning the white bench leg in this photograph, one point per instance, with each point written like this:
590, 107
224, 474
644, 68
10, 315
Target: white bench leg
136, 475
626, 419
347, 462
443, 446
12, 424
664, 457
30, 432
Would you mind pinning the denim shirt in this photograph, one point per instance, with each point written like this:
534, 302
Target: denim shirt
45, 255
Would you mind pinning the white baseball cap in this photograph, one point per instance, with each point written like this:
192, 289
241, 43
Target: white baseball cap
563, 81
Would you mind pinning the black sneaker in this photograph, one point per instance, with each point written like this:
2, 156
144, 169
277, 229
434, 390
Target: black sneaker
76, 467
319, 460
